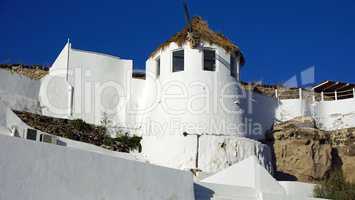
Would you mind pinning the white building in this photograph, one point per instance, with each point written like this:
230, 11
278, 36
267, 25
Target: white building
191, 86
188, 104
186, 89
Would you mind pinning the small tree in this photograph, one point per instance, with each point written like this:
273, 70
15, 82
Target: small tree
335, 187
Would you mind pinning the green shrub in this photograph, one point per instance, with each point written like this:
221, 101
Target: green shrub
128, 143
335, 187
108, 141
79, 124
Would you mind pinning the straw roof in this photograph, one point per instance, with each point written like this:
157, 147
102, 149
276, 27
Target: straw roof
202, 32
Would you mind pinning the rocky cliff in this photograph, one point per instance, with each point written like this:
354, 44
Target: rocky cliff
303, 152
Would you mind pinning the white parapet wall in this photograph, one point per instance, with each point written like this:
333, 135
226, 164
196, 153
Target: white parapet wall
328, 115
33, 170
333, 115
291, 108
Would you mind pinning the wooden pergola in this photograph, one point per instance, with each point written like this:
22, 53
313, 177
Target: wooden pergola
335, 89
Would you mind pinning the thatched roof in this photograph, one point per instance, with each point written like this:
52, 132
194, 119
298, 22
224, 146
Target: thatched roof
202, 32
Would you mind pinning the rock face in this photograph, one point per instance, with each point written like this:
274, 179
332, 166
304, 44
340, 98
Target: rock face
303, 152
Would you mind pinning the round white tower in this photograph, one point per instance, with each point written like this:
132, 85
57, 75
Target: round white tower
193, 84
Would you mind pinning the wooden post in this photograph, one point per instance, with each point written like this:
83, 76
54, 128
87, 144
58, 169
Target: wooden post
276, 94
322, 96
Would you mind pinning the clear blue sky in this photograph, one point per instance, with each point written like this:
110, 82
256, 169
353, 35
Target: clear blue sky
279, 38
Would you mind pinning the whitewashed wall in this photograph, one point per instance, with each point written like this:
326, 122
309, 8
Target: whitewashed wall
17, 92
214, 154
100, 85
297, 190
220, 152
333, 115
55, 89
135, 111
32, 170
85, 85
191, 100
329, 115
54, 96
170, 151
258, 114
292, 108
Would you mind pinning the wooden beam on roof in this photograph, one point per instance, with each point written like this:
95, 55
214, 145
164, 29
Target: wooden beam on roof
319, 85
323, 86
330, 87
344, 87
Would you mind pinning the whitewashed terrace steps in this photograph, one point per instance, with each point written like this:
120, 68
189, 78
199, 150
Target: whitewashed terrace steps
223, 192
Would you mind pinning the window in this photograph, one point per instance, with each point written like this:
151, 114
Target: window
209, 60
178, 61
46, 138
232, 65
31, 134
158, 67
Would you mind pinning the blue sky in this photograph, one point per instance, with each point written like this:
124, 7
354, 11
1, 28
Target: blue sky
279, 38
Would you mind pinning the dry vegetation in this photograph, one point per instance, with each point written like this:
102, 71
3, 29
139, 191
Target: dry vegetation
80, 131
35, 72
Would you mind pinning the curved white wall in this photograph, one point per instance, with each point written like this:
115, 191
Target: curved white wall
192, 100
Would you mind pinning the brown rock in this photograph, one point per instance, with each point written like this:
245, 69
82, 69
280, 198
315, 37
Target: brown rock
305, 153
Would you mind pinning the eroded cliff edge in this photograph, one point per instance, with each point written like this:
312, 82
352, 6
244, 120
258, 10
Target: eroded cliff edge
304, 153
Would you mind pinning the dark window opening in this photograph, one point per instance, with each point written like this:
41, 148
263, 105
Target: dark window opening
232, 65
138, 75
31, 134
158, 67
178, 61
209, 60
